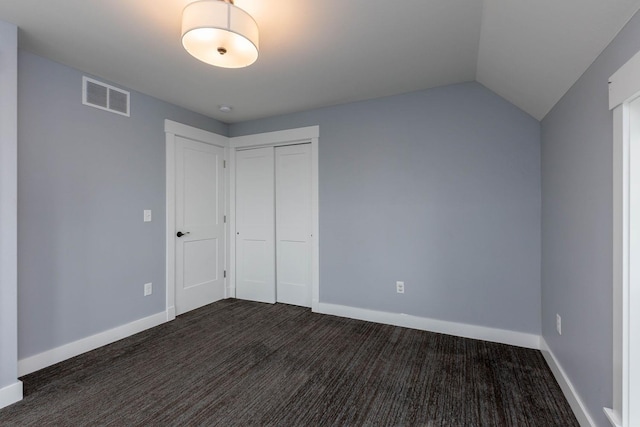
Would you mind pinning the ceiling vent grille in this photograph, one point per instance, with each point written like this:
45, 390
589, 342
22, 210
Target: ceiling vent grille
105, 97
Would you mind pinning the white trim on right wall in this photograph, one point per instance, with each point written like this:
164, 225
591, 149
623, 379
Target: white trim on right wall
10, 388
624, 100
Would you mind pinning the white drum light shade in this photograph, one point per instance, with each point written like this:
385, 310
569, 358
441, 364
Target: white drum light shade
220, 34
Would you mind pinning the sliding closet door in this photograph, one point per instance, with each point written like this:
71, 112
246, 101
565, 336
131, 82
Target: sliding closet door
255, 225
293, 224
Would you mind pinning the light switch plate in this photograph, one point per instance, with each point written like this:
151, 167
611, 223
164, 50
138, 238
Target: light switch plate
147, 215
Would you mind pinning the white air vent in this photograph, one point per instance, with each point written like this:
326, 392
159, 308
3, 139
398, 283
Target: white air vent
104, 96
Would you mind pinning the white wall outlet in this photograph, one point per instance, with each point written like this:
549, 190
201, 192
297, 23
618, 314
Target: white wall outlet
148, 289
400, 287
147, 215
559, 324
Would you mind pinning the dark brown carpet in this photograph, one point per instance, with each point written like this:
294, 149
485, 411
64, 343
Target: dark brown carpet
242, 363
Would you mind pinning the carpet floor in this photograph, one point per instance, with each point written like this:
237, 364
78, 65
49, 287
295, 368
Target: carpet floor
239, 363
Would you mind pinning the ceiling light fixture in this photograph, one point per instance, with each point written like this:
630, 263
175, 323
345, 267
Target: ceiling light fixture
219, 33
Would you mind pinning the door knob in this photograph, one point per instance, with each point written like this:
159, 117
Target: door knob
180, 233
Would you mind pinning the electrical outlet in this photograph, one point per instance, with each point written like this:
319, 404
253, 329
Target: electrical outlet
148, 289
400, 287
559, 324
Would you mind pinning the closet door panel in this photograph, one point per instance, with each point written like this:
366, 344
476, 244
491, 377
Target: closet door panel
293, 224
255, 225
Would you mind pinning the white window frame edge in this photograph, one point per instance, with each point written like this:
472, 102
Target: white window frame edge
9, 393
308, 134
624, 87
173, 129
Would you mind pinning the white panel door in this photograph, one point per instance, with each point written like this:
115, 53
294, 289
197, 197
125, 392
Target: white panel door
199, 224
293, 224
255, 227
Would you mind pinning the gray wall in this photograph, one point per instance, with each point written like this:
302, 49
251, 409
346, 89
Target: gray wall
84, 178
439, 188
8, 206
577, 226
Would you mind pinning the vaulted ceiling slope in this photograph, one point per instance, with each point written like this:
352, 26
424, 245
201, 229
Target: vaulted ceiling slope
320, 53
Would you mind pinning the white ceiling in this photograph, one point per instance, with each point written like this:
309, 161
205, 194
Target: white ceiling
326, 52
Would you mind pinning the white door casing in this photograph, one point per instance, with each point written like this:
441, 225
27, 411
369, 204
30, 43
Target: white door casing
177, 134
200, 224
624, 100
293, 224
255, 227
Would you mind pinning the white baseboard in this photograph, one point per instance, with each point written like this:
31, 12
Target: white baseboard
576, 403
171, 313
10, 394
231, 292
613, 417
67, 351
520, 339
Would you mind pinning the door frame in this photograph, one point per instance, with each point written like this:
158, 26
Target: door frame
173, 129
302, 135
624, 88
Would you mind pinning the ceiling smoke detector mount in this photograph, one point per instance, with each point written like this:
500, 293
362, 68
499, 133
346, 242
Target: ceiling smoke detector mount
219, 33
